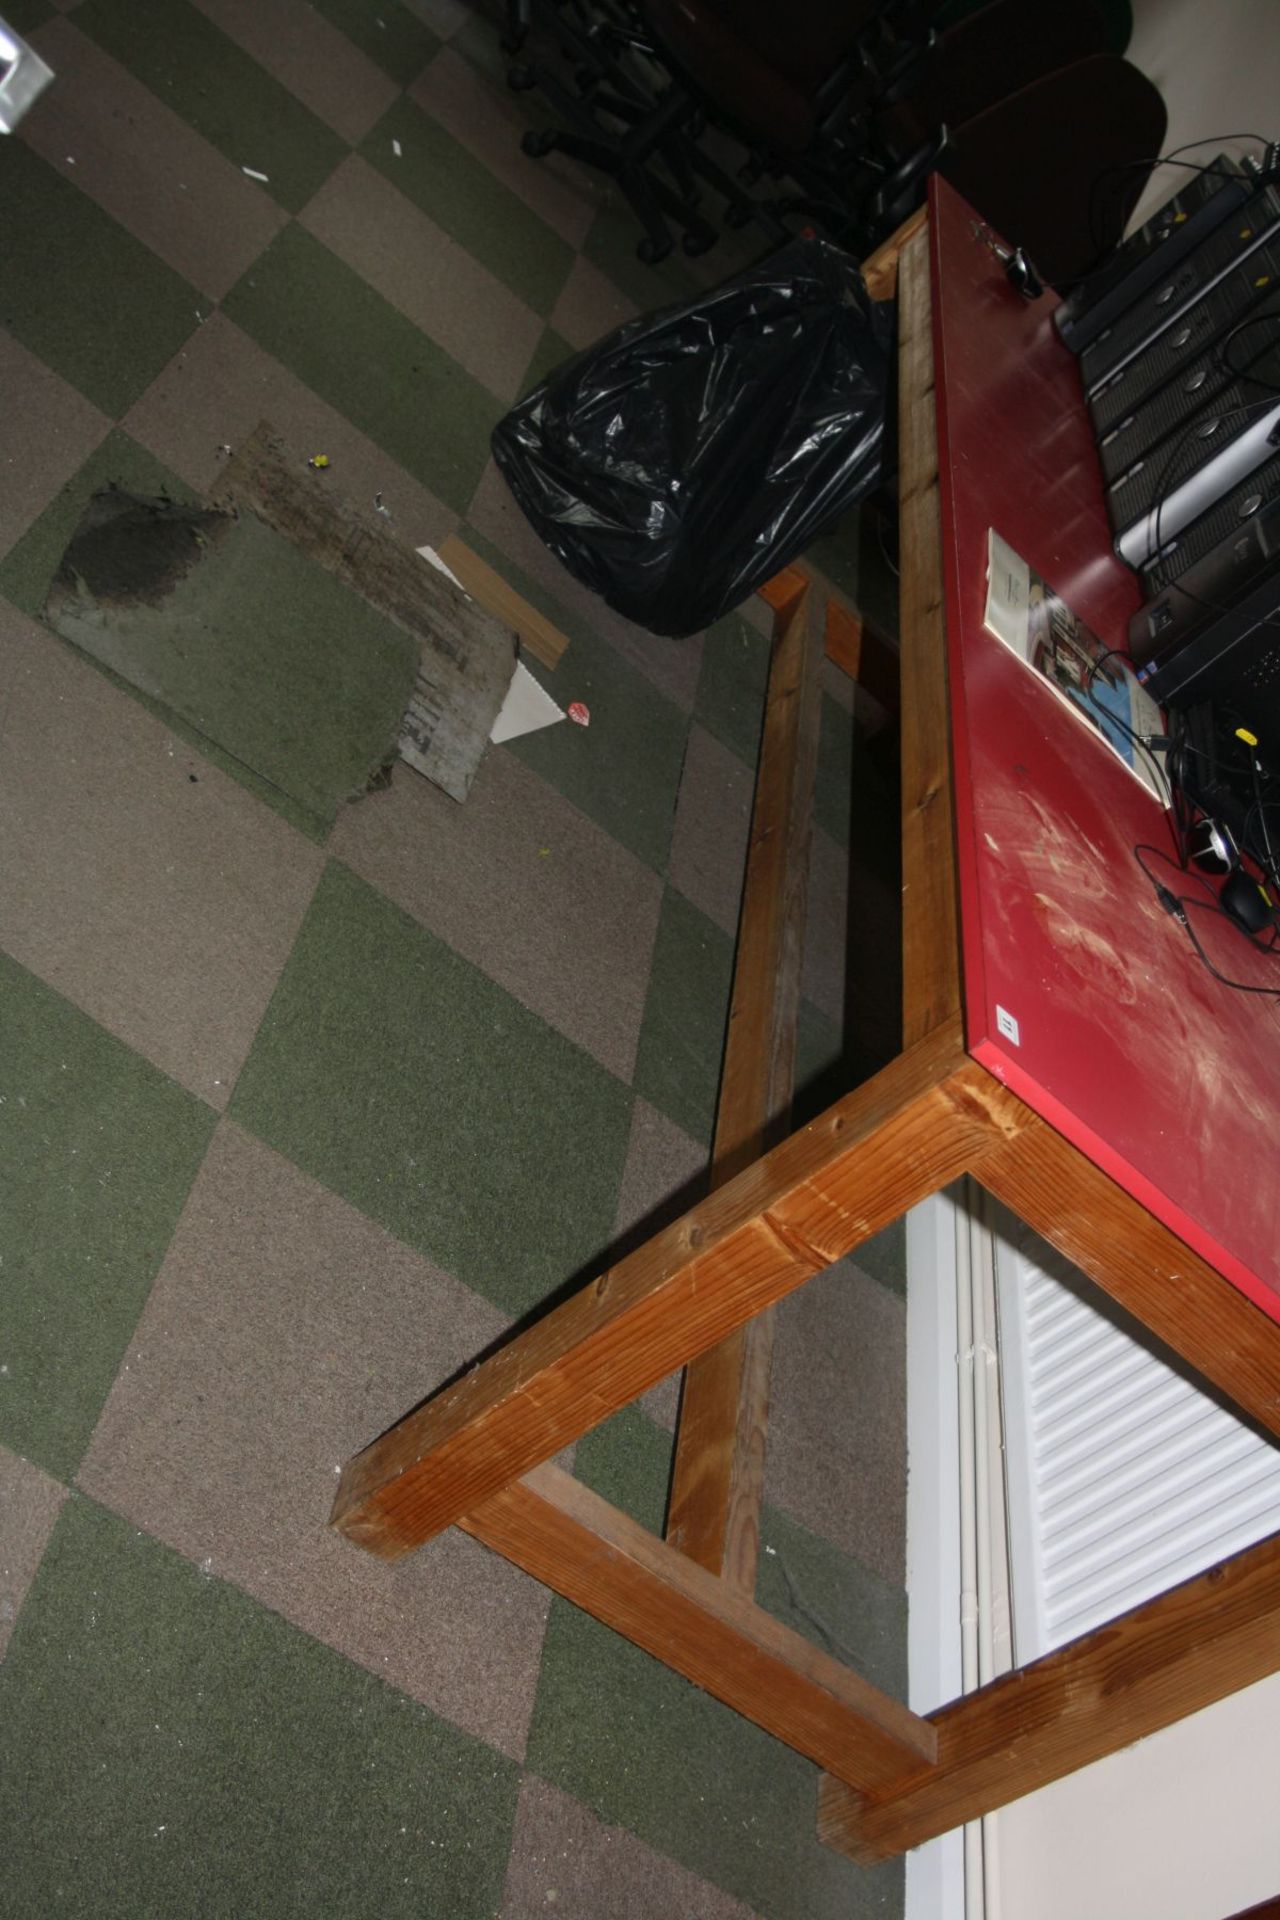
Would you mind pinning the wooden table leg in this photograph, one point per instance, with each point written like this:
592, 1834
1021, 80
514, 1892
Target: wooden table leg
718, 1475
926, 1118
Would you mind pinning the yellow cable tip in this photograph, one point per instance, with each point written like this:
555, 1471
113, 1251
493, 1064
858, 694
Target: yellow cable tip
1250, 739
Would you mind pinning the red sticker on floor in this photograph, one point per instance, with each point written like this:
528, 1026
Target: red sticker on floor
580, 713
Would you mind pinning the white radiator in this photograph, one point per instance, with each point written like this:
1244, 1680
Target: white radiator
1124, 1476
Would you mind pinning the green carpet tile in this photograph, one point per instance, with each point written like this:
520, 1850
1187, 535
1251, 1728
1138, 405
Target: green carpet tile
405, 1080
24, 16
212, 84
685, 1014
27, 570
97, 1152
262, 649
349, 345
831, 1598
611, 246
731, 686
478, 44
552, 351
885, 1257
94, 303
169, 1747
460, 194
835, 789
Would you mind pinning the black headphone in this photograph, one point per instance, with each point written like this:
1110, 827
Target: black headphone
1211, 845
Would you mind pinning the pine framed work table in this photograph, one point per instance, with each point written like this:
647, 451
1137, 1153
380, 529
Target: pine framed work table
1061, 1046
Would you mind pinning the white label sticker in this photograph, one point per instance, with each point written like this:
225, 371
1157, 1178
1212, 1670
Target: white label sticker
1007, 1025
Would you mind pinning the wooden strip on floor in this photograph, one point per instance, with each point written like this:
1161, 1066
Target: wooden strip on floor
535, 632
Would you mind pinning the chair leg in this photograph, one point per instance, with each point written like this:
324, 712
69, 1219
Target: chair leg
516, 31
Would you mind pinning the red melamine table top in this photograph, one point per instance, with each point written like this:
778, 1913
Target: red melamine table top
1169, 1081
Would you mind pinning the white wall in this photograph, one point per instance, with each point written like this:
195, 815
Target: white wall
1184, 1826
1217, 63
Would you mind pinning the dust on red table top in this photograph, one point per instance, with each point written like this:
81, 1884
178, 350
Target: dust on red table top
1168, 1080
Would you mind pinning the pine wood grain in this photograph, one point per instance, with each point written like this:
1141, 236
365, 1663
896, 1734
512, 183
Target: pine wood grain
929, 1116
568, 1537
930, 907
718, 1477
536, 633
880, 269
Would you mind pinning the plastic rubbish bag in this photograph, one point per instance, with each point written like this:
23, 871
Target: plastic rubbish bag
691, 454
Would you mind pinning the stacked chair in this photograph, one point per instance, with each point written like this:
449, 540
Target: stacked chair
842, 113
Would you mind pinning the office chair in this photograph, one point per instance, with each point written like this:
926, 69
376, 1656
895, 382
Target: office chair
635, 106
1085, 140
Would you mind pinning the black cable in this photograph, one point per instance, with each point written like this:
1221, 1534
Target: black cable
1117, 653
1241, 371
1176, 904
1162, 160
1182, 872
1237, 986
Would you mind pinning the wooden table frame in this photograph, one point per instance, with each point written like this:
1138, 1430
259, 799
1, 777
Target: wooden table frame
479, 1453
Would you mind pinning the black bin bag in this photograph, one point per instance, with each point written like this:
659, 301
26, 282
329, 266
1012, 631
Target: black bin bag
688, 456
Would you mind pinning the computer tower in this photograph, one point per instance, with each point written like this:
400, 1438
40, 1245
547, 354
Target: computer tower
1219, 623
1183, 368
1220, 446
1225, 518
1202, 203
1163, 305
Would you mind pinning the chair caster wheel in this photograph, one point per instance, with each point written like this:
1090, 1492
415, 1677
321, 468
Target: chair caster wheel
696, 243
652, 251
537, 145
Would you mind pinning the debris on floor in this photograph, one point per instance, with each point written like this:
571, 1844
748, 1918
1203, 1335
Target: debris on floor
294, 633
536, 633
466, 657
526, 708
239, 634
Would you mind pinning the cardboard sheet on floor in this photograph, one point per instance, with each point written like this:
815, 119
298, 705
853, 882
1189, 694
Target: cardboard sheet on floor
466, 655
297, 633
243, 636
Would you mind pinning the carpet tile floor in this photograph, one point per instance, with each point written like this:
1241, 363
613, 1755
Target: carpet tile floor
298, 1112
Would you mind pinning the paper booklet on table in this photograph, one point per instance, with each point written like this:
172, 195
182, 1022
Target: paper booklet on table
1096, 684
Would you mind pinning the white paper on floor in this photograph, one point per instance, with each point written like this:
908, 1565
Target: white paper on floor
526, 708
